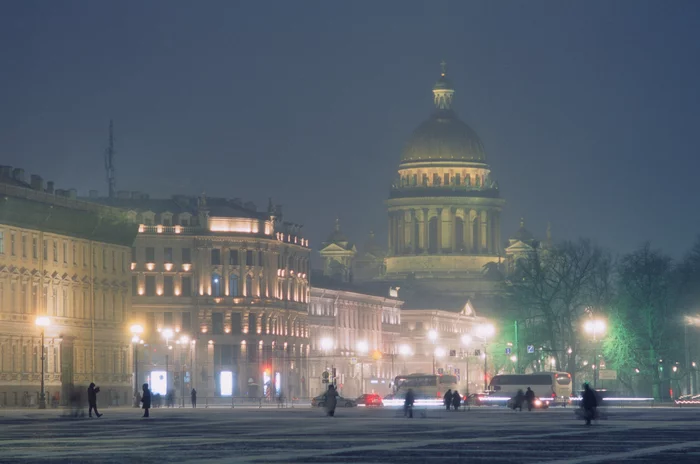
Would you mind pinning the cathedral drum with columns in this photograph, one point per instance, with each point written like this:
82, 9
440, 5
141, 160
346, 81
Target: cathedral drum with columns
444, 208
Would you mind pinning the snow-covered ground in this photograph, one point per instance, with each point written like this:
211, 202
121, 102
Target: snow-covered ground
492, 435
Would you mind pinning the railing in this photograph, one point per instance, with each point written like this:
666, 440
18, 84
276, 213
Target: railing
160, 229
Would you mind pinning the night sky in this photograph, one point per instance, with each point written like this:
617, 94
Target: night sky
588, 110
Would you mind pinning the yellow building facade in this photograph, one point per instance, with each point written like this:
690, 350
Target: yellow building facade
68, 260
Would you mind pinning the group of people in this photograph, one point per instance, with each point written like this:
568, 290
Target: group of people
520, 398
452, 399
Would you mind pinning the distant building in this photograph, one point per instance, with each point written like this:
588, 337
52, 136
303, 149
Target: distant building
68, 260
357, 334
231, 283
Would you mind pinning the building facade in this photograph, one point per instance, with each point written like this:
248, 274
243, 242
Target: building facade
222, 291
357, 334
68, 260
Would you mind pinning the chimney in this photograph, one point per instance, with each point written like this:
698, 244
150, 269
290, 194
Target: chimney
72, 193
123, 194
49, 187
37, 183
18, 174
94, 194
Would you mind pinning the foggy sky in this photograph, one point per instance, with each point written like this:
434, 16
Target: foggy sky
587, 110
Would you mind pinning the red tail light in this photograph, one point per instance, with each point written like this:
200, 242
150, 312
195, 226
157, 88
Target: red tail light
439, 395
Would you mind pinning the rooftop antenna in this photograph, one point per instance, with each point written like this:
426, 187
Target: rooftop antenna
109, 161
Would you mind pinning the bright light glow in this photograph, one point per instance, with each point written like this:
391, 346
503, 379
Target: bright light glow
135, 339
150, 266
184, 339
432, 334
466, 339
226, 382
553, 361
240, 225
595, 327
167, 334
362, 347
675, 368
159, 382
159, 229
636, 370
569, 351
168, 266
133, 266
326, 343
440, 352
178, 229
404, 350
211, 342
43, 321
485, 330
513, 358
278, 383
141, 291
186, 267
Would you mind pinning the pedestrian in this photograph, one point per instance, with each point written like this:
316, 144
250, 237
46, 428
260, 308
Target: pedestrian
530, 398
447, 399
456, 400
589, 403
518, 400
193, 397
408, 403
146, 400
92, 399
331, 400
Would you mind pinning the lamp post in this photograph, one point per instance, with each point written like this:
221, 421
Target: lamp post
43, 322
362, 349
486, 331
327, 344
433, 336
136, 331
466, 341
167, 334
595, 327
404, 351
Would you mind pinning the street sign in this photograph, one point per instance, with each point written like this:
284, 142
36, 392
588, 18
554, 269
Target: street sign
353, 360
477, 352
508, 350
530, 349
607, 374
453, 352
324, 376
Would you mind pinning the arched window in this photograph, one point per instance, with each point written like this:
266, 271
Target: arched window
215, 284
248, 286
433, 235
262, 292
233, 288
459, 233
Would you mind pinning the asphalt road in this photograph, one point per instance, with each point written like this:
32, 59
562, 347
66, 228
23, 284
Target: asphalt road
301, 435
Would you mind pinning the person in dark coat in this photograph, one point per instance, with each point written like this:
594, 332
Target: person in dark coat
92, 392
447, 399
331, 400
456, 400
408, 403
193, 397
530, 398
589, 403
146, 400
518, 400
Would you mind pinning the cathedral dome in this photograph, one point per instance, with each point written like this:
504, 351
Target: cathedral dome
444, 137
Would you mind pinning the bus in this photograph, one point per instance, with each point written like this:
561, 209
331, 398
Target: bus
554, 387
425, 386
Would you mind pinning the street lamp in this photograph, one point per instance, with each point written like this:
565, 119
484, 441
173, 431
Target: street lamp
404, 351
595, 327
43, 322
362, 349
433, 336
485, 331
136, 331
466, 341
167, 334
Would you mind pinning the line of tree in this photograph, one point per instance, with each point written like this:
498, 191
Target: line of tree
645, 297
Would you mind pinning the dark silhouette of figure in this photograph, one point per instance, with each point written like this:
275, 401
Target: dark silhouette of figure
75, 400
447, 399
331, 400
456, 400
170, 399
408, 403
92, 392
530, 398
146, 400
589, 403
193, 398
518, 400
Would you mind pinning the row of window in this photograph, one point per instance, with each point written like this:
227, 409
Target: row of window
446, 179
166, 219
26, 359
273, 325
64, 253
62, 301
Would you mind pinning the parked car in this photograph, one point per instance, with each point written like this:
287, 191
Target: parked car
370, 400
320, 401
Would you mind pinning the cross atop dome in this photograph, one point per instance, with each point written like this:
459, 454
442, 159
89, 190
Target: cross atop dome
443, 90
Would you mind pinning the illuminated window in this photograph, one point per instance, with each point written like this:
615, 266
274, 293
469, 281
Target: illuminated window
215, 284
